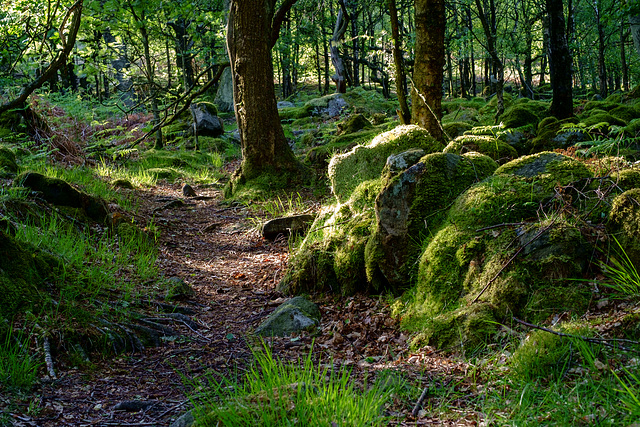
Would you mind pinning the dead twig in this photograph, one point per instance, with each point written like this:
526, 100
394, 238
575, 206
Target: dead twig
418, 404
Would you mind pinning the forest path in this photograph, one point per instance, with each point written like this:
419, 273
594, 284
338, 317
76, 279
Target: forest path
216, 249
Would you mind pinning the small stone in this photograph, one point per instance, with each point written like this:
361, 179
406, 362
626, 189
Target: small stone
188, 191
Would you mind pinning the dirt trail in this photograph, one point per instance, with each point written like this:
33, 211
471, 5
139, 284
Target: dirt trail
216, 250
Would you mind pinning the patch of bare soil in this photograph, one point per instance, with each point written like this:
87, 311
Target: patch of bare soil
217, 250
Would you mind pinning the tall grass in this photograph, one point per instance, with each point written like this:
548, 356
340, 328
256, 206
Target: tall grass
276, 393
18, 368
622, 274
93, 263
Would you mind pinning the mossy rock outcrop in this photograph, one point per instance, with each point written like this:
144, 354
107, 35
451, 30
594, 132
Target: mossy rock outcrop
598, 118
479, 269
551, 136
624, 223
25, 275
519, 115
60, 193
410, 209
331, 257
353, 123
455, 129
365, 162
491, 146
8, 165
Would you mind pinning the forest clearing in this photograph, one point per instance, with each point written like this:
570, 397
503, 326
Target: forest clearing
200, 226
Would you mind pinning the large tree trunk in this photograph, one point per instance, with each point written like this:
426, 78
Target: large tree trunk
398, 59
429, 60
497, 76
559, 62
249, 41
340, 77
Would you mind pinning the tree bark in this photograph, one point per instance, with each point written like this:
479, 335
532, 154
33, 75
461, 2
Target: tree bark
249, 42
498, 69
559, 62
398, 59
68, 42
429, 61
340, 77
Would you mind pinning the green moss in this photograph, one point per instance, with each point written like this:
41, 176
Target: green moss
463, 330
411, 209
624, 113
462, 114
170, 174
331, 257
541, 356
519, 115
548, 137
627, 179
614, 98
296, 112
624, 222
25, 272
598, 118
492, 105
353, 123
600, 105
546, 170
455, 129
546, 122
488, 145
364, 163
633, 128
8, 165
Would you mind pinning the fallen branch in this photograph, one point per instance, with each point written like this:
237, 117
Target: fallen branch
418, 404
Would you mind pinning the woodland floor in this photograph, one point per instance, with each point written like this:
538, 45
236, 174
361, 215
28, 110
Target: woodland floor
217, 250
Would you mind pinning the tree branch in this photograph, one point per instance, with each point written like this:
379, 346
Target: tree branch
278, 18
59, 61
190, 98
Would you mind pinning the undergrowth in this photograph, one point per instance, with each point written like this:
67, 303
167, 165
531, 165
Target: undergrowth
276, 393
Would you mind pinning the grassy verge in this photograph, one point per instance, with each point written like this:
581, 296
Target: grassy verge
276, 393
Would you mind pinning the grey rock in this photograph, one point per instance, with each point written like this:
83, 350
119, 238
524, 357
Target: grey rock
224, 96
286, 226
294, 315
188, 191
404, 160
285, 104
206, 123
185, 420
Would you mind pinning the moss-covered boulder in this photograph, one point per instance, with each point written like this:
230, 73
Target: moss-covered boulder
551, 135
598, 118
411, 207
59, 192
331, 256
455, 129
519, 115
491, 146
625, 113
25, 273
497, 257
624, 223
8, 165
365, 162
294, 315
353, 123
